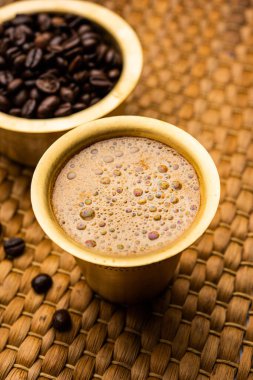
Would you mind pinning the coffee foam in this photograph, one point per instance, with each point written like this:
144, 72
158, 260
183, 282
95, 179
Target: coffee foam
127, 195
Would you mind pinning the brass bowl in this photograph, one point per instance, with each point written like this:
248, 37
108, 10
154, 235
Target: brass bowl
25, 140
135, 277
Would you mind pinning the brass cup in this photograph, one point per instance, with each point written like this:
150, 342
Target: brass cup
130, 278
25, 140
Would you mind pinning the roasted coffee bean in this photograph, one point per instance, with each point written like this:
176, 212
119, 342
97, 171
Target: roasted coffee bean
20, 98
33, 58
75, 64
62, 320
42, 283
21, 19
100, 83
73, 52
48, 106
97, 74
56, 41
89, 44
94, 101
64, 110
10, 33
15, 85
23, 29
27, 74
48, 85
89, 35
71, 43
15, 112
14, 247
101, 52
67, 94
86, 98
42, 40
84, 29
21, 39
28, 108
53, 65
75, 22
114, 74
4, 103
49, 58
61, 62
79, 106
44, 21
5, 77
4, 44
30, 82
35, 94
58, 21
2, 62
12, 52
19, 62
81, 76
117, 60
110, 56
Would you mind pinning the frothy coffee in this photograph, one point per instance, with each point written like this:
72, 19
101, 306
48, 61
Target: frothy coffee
127, 195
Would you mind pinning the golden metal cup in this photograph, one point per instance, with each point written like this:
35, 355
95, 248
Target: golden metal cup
25, 140
130, 278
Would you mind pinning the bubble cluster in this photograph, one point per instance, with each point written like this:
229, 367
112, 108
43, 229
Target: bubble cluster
126, 195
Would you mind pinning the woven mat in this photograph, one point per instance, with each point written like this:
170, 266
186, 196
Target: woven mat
198, 74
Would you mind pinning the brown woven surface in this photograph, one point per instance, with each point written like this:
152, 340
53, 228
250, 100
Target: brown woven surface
198, 74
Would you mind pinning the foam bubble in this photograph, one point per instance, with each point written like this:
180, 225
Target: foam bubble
108, 159
71, 175
87, 213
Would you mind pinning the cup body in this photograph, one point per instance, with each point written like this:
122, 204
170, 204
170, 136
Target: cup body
129, 278
129, 285
25, 140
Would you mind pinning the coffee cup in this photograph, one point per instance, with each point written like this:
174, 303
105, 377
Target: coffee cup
125, 278
26, 139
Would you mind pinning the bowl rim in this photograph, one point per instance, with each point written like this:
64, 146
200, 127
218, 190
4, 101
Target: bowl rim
121, 32
73, 141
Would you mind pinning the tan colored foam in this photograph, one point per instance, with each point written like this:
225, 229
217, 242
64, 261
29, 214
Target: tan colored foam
126, 195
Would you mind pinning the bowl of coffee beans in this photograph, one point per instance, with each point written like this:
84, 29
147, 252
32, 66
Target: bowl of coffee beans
62, 63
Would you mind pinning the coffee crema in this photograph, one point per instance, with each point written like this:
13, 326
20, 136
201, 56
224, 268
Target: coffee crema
126, 195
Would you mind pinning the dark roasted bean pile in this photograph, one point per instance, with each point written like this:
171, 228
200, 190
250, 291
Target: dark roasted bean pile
54, 65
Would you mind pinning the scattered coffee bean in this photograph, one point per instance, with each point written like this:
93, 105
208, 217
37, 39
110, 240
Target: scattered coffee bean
14, 247
53, 65
42, 283
62, 320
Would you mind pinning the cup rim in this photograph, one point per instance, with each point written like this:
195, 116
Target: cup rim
121, 32
73, 141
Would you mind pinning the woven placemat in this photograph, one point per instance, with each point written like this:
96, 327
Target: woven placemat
198, 74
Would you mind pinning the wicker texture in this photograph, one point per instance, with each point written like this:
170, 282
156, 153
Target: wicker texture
198, 74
